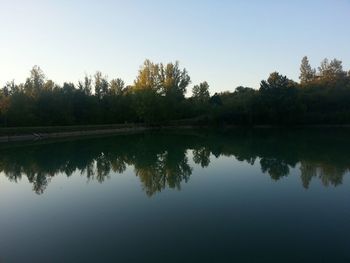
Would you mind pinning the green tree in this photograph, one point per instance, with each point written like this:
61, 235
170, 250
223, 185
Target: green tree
117, 86
35, 83
200, 92
85, 86
157, 97
49, 85
5, 102
169, 80
173, 80
146, 104
307, 73
331, 70
275, 82
277, 101
241, 90
11, 88
101, 85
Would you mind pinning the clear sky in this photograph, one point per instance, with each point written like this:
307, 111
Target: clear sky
225, 42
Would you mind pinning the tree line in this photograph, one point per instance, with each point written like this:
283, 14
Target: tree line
157, 96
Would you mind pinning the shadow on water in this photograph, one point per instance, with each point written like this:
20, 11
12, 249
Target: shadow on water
161, 160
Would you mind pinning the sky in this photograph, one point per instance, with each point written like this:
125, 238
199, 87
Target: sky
224, 42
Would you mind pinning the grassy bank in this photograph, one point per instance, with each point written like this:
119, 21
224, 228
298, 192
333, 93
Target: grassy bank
37, 133
54, 129
46, 132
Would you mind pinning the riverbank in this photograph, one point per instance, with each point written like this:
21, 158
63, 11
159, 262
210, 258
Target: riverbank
39, 133
17, 134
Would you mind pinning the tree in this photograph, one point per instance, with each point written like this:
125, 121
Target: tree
331, 70
85, 86
306, 72
117, 86
173, 80
200, 92
35, 83
68, 88
157, 97
101, 85
169, 80
5, 101
337, 68
146, 105
277, 100
11, 88
148, 77
241, 89
49, 85
276, 81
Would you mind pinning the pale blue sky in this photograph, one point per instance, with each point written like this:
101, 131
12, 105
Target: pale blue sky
227, 43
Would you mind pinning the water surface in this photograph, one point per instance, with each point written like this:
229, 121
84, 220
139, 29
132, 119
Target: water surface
242, 196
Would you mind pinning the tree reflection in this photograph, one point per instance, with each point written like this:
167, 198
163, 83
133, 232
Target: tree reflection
274, 167
202, 156
167, 170
328, 174
162, 161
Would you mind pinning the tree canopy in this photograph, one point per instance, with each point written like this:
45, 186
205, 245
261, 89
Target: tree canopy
158, 96
306, 72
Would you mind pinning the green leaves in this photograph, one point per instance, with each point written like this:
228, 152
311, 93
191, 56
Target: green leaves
167, 80
307, 73
200, 92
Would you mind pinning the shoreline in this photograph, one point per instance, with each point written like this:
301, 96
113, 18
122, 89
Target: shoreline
36, 136
52, 132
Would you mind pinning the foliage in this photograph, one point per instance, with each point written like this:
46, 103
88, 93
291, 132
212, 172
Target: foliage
306, 72
201, 92
157, 96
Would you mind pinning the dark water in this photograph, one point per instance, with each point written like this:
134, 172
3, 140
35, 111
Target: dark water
243, 196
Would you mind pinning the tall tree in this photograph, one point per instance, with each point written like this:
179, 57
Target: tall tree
331, 70
276, 81
11, 88
117, 86
168, 80
337, 68
35, 83
5, 101
306, 72
201, 92
173, 80
85, 85
148, 77
49, 85
101, 85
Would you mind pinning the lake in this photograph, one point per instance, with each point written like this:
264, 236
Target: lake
266, 195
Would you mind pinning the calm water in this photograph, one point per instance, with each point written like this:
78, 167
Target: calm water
243, 196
